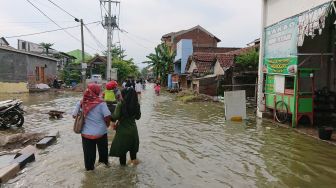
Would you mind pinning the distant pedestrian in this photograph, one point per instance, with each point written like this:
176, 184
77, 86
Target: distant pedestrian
157, 89
128, 84
110, 95
138, 87
126, 138
124, 84
94, 132
133, 84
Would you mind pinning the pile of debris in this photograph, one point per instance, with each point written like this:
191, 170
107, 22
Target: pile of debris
187, 96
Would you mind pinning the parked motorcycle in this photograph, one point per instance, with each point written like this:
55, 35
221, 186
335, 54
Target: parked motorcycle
11, 114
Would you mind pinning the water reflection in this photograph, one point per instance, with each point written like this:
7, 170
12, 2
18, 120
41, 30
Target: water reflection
181, 145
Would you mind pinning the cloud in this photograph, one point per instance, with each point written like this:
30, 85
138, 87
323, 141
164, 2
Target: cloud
235, 22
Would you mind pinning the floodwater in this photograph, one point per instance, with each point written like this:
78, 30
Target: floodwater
181, 145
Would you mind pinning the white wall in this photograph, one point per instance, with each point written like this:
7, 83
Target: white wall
218, 70
277, 10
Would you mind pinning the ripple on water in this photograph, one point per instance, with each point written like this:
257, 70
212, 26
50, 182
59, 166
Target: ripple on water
181, 145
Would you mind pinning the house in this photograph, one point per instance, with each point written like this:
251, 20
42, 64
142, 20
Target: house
213, 73
207, 70
297, 59
97, 65
200, 37
64, 60
3, 42
21, 71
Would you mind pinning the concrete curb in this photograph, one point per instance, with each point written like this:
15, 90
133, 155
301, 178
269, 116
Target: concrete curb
24, 159
9, 172
45, 142
55, 134
27, 150
25, 156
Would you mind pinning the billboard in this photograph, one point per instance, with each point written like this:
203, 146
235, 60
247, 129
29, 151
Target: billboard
281, 47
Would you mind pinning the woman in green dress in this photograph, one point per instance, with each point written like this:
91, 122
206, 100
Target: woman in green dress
126, 138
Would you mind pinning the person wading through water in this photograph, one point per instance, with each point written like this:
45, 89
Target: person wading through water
94, 132
126, 138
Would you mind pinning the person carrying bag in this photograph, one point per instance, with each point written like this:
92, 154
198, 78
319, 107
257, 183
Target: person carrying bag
92, 119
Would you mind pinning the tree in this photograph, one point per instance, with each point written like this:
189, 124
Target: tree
126, 67
162, 61
248, 60
46, 46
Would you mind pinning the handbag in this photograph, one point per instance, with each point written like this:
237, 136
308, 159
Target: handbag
79, 122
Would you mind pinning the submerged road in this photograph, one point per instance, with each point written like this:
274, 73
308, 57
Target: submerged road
181, 145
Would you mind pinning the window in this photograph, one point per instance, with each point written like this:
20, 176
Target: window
23, 45
289, 84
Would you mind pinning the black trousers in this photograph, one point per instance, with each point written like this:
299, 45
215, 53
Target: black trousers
122, 158
89, 149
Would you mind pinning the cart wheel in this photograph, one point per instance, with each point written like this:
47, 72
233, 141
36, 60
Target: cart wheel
281, 112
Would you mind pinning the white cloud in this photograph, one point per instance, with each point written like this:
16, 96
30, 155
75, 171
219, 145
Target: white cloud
236, 22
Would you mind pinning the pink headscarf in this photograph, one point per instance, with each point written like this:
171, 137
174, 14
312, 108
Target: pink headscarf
91, 98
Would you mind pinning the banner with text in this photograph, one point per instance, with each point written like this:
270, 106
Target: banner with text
281, 47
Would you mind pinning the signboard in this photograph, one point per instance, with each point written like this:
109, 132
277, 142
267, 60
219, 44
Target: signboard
269, 84
114, 73
281, 47
235, 104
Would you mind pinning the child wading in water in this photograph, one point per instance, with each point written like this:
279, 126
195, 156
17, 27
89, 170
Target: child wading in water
126, 138
157, 89
111, 95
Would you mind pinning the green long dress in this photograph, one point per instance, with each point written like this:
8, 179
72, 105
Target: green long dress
126, 137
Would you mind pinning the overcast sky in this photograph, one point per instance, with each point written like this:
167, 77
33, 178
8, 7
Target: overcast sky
235, 22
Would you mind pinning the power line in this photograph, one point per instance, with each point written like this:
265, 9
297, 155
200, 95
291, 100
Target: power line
128, 36
99, 44
49, 31
62, 9
59, 25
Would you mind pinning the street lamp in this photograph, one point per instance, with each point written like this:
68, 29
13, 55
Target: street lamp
83, 61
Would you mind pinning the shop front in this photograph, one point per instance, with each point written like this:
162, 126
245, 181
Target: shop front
299, 65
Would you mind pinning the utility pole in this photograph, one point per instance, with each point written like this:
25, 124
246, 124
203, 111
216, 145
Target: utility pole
109, 23
109, 43
84, 66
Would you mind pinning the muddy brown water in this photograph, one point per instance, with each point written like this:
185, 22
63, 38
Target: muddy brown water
182, 145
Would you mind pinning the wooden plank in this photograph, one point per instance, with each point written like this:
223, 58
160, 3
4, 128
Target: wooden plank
9, 172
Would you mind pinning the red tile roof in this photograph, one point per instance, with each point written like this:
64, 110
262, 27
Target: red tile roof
244, 50
225, 60
214, 49
205, 61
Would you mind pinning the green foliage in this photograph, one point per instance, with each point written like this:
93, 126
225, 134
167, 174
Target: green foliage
162, 61
248, 60
78, 54
69, 76
46, 46
126, 67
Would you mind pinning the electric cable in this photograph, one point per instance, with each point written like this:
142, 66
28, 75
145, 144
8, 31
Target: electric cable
48, 31
58, 25
62, 9
99, 44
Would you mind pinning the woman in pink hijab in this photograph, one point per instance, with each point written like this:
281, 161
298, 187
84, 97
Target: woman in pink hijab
94, 132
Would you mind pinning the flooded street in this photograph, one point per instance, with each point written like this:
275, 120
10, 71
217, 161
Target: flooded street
181, 145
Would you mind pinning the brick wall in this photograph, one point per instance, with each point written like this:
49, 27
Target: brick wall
199, 38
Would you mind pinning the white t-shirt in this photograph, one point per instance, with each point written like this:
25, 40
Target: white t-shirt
138, 87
